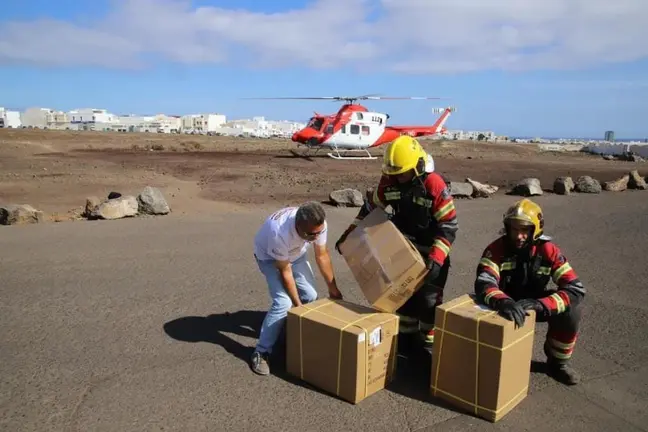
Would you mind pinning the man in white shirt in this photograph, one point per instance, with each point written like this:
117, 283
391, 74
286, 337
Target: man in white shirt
280, 249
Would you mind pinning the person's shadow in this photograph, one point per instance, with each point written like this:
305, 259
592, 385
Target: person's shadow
213, 329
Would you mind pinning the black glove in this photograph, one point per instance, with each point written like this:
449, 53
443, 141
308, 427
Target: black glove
533, 304
512, 311
434, 270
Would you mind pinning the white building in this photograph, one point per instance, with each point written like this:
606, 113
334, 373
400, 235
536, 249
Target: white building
58, 120
202, 123
92, 119
9, 119
36, 118
470, 135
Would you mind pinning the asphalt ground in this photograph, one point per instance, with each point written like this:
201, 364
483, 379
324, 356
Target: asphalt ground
147, 324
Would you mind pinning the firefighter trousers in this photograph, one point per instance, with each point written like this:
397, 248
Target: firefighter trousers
421, 307
562, 334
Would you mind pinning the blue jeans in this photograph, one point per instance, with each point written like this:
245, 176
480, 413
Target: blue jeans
281, 303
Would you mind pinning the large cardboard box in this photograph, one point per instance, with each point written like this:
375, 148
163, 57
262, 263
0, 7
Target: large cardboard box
480, 363
385, 264
345, 349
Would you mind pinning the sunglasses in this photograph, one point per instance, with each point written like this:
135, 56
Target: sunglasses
312, 234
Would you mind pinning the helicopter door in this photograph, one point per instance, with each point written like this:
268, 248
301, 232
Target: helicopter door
354, 133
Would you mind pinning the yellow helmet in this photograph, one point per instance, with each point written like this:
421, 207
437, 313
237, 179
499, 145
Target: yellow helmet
403, 154
527, 212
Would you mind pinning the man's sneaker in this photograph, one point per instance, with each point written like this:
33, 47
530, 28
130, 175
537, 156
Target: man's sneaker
563, 373
259, 363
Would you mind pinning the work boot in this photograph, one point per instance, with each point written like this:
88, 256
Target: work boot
259, 363
563, 373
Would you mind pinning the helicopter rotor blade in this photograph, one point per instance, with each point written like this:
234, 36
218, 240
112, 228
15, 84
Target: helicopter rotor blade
348, 98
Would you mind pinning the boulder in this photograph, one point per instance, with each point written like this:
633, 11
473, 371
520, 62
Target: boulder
20, 214
563, 186
587, 184
636, 181
527, 187
617, 185
347, 198
151, 201
461, 189
481, 190
116, 208
91, 205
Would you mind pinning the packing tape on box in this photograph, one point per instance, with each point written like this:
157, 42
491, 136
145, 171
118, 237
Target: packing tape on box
475, 404
353, 323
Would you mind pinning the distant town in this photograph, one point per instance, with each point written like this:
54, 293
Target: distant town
94, 119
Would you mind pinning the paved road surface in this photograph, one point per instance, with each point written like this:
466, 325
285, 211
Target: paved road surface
146, 324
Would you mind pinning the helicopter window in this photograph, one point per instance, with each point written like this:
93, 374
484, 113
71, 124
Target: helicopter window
316, 123
355, 129
365, 130
329, 129
343, 130
359, 115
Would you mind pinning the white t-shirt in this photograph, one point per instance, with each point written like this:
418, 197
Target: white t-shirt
277, 239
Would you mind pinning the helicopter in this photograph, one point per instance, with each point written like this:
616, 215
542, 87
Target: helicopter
356, 129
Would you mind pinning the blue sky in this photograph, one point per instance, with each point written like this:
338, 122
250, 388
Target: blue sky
556, 68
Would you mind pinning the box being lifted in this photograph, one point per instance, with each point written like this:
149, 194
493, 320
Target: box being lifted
480, 362
345, 349
385, 264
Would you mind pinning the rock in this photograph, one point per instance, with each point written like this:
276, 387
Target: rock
617, 185
91, 205
609, 157
117, 208
527, 187
587, 184
151, 201
563, 186
635, 158
347, 198
636, 181
461, 189
20, 214
481, 190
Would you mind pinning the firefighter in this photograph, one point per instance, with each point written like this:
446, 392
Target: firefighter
424, 211
513, 276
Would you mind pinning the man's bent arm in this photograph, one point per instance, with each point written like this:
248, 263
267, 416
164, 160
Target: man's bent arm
288, 280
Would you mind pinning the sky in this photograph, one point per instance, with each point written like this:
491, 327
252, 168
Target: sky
551, 68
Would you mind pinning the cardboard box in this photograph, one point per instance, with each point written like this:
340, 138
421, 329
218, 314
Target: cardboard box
480, 362
345, 349
385, 264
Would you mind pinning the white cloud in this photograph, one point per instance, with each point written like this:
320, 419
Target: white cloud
408, 36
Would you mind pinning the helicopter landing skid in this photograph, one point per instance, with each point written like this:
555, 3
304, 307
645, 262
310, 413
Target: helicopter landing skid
335, 154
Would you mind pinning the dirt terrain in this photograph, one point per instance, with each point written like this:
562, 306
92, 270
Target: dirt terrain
56, 170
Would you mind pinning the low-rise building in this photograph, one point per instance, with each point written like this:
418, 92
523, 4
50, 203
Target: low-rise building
202, 123
10, 119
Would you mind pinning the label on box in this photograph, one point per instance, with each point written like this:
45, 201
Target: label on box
375, 337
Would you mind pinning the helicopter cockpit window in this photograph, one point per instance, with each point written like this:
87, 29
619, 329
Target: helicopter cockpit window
316, 123
354, 129
329, 129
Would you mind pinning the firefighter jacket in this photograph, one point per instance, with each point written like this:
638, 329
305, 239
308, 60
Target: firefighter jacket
504, 272
423, 210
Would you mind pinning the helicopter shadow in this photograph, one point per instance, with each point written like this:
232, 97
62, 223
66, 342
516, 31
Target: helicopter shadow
295, 155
